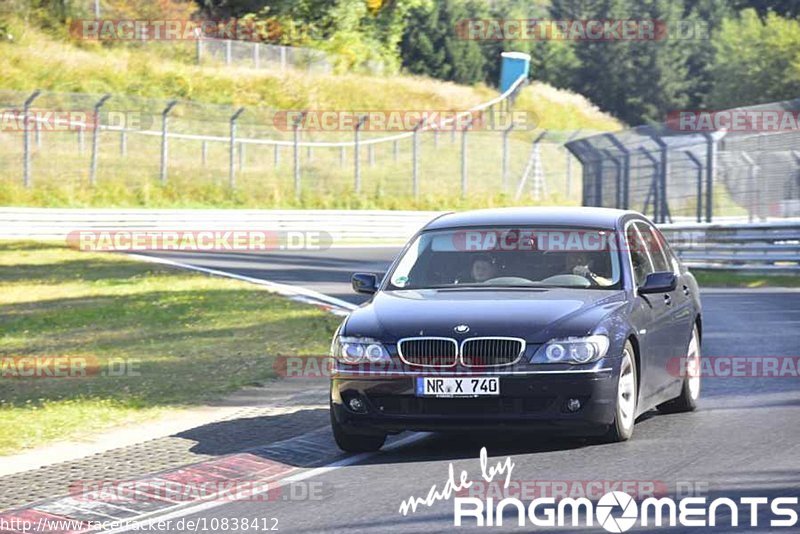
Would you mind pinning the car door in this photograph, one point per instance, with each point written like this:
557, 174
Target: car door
669, 328
646, 316
683, 311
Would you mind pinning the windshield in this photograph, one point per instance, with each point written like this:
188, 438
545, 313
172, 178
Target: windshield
509, 257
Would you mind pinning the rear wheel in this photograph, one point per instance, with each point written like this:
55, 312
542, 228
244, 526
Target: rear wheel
349, 441
690, 391
622, 427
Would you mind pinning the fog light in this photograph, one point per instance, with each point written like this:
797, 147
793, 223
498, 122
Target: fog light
356, 404
573, 405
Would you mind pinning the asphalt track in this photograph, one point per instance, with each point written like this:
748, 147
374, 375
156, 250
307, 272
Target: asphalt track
744, 440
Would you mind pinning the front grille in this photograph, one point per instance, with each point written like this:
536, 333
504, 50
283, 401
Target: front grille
491, 351
428, 351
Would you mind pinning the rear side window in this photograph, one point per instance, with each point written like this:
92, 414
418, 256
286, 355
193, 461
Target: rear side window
652, 242
640, 260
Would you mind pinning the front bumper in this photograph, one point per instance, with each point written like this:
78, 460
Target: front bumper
528, 400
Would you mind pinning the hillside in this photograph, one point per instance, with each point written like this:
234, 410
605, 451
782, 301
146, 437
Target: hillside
33, 59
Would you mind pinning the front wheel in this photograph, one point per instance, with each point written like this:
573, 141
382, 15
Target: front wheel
349, 441
690, 391
622, 427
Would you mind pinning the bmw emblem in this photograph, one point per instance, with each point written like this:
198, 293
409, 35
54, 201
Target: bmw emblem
462, 328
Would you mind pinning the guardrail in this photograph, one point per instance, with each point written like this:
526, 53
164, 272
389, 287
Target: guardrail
378, 227
752, 247
735, 246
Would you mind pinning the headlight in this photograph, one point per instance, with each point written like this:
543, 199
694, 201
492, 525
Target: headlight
572, 350
358, 350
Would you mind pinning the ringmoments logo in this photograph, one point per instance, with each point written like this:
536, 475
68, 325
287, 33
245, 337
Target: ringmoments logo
614, 511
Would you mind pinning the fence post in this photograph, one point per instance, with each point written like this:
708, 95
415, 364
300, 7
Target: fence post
754, 192
504, 156
26, 139
711, 160
257, 55
568, 185
618, 165
357, 153
283, 58
651, 192
37, 134
232, 149
662, 212
123, 143
204, 152
464, 174
164, 119
623, 185
415, 160
96, 139
276, 155
699, 166
228, 51
296, 126
395, 150
199, 47
371, 155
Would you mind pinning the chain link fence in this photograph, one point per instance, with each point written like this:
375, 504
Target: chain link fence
257, 55
670, 172
66, 142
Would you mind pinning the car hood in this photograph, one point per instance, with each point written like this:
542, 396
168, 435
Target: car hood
535, 315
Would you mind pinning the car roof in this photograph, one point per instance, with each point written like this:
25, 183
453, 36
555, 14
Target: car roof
547, 216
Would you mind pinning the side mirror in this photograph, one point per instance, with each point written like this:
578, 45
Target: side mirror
661, 282
364, 283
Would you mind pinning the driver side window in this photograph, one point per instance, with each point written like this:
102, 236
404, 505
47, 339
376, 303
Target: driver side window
640, 260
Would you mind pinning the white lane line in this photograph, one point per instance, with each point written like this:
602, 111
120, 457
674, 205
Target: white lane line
139, 522
282, 289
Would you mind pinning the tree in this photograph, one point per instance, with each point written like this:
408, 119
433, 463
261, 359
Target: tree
431, 44
756, 61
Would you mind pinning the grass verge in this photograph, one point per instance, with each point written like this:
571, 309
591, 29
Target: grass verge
728, 279
177, 339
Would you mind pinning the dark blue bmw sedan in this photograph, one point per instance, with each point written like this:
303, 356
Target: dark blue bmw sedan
569, 320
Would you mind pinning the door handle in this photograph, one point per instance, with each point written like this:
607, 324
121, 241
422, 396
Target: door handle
667, 299
686, 290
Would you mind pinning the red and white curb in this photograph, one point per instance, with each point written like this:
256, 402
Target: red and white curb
265, 470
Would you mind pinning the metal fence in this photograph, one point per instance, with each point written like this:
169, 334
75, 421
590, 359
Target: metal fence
138, 143
668, 173
257, 55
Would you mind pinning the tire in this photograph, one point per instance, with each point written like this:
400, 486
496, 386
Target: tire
352, 442
690, 390
627, 393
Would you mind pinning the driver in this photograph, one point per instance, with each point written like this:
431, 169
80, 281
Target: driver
579, 263
483, 268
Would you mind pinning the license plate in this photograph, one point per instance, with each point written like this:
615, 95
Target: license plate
458, 387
